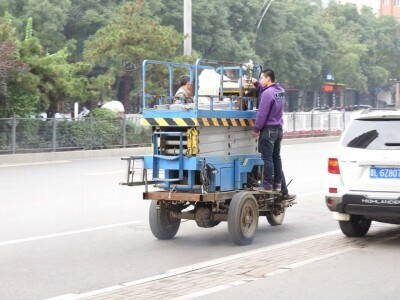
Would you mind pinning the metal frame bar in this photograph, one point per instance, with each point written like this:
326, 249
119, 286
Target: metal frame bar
157, 157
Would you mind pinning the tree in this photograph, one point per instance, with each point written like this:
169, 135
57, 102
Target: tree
10, 66
221, 29
364, 47
51, 76
294, 40
130, 38
49, 19
86, 17
33, 80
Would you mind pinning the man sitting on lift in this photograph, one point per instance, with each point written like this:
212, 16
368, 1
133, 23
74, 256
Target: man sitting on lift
185, 92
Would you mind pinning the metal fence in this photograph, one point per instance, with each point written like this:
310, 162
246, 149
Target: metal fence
315, 123
26, 135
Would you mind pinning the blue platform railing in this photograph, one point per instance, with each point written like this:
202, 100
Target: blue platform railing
194, 71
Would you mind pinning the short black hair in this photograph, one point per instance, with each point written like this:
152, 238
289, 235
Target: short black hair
183, 80
269, 73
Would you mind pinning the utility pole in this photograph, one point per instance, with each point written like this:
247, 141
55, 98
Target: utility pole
267, 4
397, 105
187, 27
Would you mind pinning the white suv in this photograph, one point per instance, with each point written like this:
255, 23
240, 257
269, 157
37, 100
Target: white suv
364, 173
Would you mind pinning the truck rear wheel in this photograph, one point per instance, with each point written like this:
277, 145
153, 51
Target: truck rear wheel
162, 224
275, 220
243, 218
358, 226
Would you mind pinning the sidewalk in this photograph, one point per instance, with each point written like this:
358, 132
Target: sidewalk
202, 279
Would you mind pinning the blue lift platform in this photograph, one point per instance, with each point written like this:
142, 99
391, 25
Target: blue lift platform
205, 165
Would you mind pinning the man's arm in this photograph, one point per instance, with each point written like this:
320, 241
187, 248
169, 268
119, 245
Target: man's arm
255, 83
263, 111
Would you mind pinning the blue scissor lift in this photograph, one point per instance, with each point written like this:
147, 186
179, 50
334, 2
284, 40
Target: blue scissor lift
205, 165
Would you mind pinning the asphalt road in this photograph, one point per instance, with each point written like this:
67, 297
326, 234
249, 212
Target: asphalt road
68, 227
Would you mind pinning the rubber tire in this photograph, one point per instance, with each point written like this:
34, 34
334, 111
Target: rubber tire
238, 201
274, 220
162, 225
358, 226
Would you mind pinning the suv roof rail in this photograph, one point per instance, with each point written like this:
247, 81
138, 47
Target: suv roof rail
367, 110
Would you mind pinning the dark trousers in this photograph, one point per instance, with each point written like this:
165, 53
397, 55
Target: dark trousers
270, 149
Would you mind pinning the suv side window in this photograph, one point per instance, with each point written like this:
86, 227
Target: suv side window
373, 134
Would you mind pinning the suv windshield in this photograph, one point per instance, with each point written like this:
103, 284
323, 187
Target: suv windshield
373, 134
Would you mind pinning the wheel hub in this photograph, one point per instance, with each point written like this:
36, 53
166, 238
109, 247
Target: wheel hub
247, 219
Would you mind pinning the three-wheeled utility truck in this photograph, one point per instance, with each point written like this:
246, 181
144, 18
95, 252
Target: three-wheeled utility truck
205, 165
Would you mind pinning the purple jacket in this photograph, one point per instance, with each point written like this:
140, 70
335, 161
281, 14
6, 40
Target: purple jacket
270, 110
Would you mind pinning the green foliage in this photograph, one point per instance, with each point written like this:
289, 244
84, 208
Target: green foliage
138, 135
103, 114
21, 103
86, 17
295, 41
132, 37
38, 80
33, 134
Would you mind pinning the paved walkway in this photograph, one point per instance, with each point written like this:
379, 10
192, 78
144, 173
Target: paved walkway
240, 269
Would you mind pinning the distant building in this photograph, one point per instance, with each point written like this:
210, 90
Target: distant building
374, 4
380, 7
390, 8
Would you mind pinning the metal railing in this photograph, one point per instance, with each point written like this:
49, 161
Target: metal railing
315, 123
27, 135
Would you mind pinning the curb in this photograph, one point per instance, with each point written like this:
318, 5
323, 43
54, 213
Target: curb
71, 155
309, 140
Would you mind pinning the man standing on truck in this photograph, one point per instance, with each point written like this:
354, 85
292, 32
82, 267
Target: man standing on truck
268, 128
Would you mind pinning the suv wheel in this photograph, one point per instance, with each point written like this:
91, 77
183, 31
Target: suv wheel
358, 226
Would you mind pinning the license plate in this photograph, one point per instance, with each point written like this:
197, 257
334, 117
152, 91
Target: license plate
385, 173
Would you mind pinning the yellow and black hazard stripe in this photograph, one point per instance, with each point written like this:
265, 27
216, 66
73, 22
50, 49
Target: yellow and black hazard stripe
191, 122
225, 122
181, 122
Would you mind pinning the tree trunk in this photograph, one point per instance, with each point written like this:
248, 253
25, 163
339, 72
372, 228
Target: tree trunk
124, 89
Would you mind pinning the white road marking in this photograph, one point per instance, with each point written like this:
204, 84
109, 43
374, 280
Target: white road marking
105, 173
209, 263
212, 290
220, 288
277, 272
317, 258
64, 297
39, 163
248, 253
66, 233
